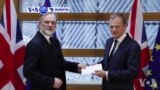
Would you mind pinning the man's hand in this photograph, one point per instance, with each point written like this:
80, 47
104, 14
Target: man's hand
81, 66
57, 83
100, 73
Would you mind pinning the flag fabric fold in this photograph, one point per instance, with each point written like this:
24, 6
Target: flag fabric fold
11, 50
136, 30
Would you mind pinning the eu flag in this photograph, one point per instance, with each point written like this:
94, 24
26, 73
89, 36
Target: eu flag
153, 74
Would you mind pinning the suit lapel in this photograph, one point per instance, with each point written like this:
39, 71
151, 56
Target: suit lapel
53, 50
119, 49
107, 49
43, 39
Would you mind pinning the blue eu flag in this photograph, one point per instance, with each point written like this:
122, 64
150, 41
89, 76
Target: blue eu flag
153, 74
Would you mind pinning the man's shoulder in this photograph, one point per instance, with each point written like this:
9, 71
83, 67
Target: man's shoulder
35, 40
133, 43
110, 39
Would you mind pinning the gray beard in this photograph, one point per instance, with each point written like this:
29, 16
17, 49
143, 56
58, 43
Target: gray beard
47, 32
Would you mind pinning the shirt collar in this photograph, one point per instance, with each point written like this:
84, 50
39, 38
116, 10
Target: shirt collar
121, 38
46, 36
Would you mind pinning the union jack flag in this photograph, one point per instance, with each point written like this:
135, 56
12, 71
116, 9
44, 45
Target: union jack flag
137, 31
11, 49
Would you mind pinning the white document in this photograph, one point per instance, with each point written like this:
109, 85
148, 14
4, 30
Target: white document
91, 69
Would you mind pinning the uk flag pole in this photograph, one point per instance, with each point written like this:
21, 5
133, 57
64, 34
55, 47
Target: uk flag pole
11, 49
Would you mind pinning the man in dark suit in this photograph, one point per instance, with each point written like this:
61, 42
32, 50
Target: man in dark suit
44, 63
121, 59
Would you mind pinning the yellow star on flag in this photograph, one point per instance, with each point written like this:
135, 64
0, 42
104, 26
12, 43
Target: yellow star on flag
149, 72
154, 86
157, 47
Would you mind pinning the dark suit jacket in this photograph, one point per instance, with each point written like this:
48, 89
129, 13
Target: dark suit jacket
43, 63
124, 65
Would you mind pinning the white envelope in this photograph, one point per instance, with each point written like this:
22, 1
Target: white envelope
91, 69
